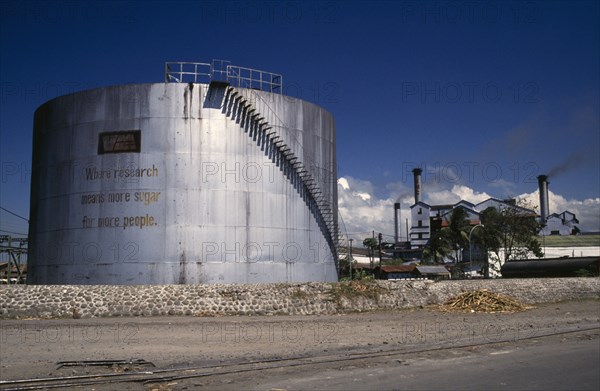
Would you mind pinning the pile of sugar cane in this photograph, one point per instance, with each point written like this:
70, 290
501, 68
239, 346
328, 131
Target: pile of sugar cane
483, 301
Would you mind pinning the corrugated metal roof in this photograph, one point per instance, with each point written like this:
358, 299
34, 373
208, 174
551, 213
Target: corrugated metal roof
398, 268
432, 270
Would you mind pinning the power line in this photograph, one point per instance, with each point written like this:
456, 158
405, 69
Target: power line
14, 214
12, 232
368, 232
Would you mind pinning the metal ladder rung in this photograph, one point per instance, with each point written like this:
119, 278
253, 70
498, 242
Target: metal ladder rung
324, 208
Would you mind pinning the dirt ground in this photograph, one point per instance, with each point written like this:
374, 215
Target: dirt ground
32, 348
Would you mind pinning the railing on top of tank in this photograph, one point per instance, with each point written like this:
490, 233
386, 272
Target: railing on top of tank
188, 72
254, 79
222, 70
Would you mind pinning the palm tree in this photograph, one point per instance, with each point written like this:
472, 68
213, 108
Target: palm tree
457, 231
438, 247
371, 244
449, 241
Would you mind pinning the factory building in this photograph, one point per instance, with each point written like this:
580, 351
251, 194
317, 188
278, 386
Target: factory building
212, 176
564, 223
427, 218
561, 224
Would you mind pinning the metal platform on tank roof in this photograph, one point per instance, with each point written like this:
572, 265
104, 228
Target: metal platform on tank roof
222, 71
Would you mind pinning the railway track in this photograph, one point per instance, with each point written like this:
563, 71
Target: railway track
157, 376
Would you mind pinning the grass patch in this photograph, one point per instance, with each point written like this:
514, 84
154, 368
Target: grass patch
570, 241
355, 290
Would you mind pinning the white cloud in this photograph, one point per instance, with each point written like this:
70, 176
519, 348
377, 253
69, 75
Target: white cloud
364, 196
344, 183
363, 212
454, 195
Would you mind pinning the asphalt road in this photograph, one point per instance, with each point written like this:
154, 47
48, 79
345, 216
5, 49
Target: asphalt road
545, 364
555, 346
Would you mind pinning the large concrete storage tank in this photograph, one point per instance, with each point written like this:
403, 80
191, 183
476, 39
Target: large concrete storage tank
219, 180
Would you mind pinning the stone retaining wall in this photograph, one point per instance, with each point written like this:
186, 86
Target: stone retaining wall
75, 301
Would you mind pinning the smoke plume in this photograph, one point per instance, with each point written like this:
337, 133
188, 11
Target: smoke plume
572, 162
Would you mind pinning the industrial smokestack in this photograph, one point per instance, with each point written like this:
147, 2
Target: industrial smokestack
543, 188
417, 176
396, 228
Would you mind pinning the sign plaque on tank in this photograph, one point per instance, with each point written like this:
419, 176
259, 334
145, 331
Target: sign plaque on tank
119, 142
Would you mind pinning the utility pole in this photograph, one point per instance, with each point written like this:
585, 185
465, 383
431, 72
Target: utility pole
372, 253
350, 258
487, 271
379, 237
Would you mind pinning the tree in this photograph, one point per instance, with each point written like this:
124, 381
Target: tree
509, 233
448, 242
438, 247
457, 231
345, 263
371, 244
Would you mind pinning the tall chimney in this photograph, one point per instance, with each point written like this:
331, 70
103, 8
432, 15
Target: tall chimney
543, 188
396, 211
417, 176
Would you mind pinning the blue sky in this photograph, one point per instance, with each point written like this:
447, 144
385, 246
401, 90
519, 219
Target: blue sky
485, 96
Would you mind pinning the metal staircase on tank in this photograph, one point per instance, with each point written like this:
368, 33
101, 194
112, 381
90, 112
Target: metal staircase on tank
254, 119
235, 80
